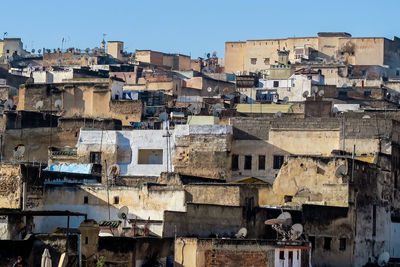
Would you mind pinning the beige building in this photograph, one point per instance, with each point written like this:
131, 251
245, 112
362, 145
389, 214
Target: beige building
9, 47
173, 61
115, 49
257, 55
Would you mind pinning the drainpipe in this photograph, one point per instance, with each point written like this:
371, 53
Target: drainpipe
23, 195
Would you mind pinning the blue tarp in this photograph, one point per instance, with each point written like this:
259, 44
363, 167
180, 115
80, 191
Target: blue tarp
71, 168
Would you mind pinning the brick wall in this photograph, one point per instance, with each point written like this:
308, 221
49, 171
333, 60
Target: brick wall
216, 258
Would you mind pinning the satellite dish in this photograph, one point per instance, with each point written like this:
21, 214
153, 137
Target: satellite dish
242, 233
9, 104
217, 110
194, 108
58, 104
123, 213
19, 151
321, 93
366, 117
216, 89
226, 90
287, 217
163, 116
383, 259
340, 171
113, 170
286, 99
314, 89
275, 98
296, 231
209, 89
39, 105
344, 85
278, 114
305, 94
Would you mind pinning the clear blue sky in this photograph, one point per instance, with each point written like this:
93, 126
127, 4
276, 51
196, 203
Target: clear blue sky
192, 27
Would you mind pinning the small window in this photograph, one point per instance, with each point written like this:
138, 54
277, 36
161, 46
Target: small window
364, 72
8, 51
342, 94
276, 83
397, 72
116, 97
85, 200
95, 157
150, 156
266, 61
116, 200
327, 243
342, 244
367, 93
86, 240
253, 60
261, 162
281, 255
235, 162
278, 161
247, 162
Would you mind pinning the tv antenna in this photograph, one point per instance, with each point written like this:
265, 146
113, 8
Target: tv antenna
282, 225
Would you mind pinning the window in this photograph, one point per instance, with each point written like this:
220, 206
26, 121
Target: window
150, 156
281, 255
261, 162
86, 240
374, 220
266, 61
253, 60
342, 94
235, 162
116, 200
367, 93
276, 83
8, 51
278, 161
397, 72
85, 200
327, 243
342, 244
312, 241
247, 162
116, 97
95, 157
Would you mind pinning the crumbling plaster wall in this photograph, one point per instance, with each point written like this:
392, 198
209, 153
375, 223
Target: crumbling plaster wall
10, 186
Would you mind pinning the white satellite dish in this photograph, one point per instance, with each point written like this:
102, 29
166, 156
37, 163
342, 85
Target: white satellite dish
113, 170
321, 93
209, 89
366, 117
39, 105
296, 231
305, 94
242, 233
340, 171
58, 104
286, 99
19, 151
383, 259
287, 217
275, 98
163, 116
123, 213
278, 114
216, 89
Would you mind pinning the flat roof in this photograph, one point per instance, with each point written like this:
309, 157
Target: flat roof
40, 212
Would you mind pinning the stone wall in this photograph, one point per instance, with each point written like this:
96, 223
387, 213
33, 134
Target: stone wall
126, 110
10, 186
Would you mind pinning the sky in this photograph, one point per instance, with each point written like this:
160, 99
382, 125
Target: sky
192, 27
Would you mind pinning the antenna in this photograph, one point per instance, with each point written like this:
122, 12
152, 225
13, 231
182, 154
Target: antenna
340, 171
383, 259
242, 233
314, 90
39, 105
281, 225
216, 89
285, 99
